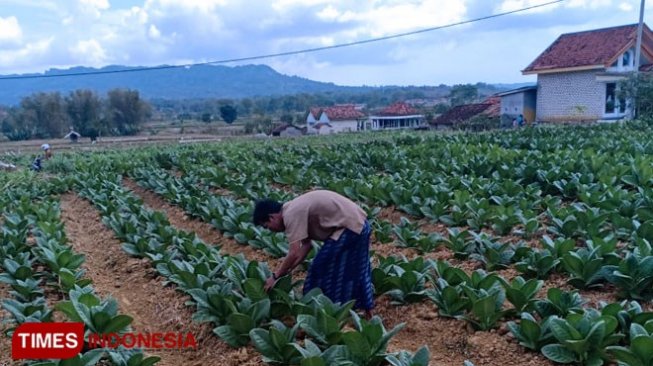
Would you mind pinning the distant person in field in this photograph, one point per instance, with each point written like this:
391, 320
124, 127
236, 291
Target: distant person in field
520, 120
341, 268
36, 164
47, 151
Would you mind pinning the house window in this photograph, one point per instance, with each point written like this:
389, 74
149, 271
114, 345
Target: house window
610, 97
614, 103
625, 61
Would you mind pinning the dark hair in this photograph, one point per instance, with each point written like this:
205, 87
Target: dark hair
263, 210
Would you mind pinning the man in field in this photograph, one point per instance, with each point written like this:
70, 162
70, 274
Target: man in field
341, 269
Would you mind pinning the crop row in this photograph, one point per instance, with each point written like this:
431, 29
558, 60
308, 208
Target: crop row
48, 263
227, 291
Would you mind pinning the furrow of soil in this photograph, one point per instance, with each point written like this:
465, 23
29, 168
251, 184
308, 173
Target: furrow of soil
139, 292
5, 342
452, 341
204, 231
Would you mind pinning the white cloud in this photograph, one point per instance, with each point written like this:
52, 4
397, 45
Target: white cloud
329, 13
89, 52
153, 32
29, 58
202, 6
626, 7
92, 8
390, 18
98, 4
284, 5
591, 4
512, 5
10, 31
140, 15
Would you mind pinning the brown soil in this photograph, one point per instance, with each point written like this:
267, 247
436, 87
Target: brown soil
204, 231
452, 341
5, 342
139, 292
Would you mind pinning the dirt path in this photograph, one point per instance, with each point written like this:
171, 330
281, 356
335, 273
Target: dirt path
139, 292
204, 231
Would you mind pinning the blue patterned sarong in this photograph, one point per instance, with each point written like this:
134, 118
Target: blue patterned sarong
342, 270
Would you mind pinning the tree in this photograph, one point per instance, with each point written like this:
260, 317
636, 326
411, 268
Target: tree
463, 94
84, 108
206, 117
126, 111
286, 118
44, 114
638, 90
259, 125
246, 105
441, 108
228, 113
14, 128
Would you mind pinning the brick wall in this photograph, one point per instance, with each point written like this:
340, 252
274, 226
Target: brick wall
570, 96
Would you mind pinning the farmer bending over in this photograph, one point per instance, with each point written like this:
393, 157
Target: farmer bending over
341, 269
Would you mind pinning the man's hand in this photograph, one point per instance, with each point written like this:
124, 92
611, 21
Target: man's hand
269, 283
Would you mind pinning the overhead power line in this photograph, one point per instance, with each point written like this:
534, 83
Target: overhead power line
280, 54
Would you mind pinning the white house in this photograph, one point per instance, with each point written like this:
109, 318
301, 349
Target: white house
335, 119
578, 74
397, 116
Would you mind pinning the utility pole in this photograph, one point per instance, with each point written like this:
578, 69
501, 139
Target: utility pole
638, 43
638, 52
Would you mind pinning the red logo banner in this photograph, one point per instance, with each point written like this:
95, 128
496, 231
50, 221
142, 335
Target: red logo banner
47, 340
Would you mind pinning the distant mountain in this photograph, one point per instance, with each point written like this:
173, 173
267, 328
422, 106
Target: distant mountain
204, 81
196, 82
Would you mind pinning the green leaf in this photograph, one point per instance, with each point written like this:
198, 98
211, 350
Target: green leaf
625, 356
261, 340
69, 310
642, 347
357, 344
558, 353
253, 288
313, 361
118, 323
562, 330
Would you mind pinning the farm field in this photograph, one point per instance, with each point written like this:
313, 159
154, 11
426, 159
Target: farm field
525, 247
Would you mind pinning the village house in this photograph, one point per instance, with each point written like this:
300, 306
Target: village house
578, 75
489, 109
287, 130
396, 116
335, 119
520, 101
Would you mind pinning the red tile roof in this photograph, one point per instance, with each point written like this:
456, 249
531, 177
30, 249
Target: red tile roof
589, 48
316, 111
491, 107
494, 110
338, 112
398, 109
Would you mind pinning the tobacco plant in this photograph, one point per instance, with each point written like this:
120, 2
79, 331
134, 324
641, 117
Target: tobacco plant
276, 343
582, 338
530, 333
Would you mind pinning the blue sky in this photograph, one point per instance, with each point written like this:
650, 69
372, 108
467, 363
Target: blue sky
38, 35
